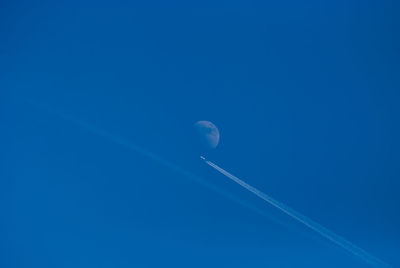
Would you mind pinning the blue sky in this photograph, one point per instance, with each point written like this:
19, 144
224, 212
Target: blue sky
305, 96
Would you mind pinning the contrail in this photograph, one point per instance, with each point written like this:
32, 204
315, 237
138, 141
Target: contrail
306, 221
338, 240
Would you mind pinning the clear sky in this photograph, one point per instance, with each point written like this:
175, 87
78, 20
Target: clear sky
305, 96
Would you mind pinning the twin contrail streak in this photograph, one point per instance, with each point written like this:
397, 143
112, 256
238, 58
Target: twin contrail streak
373, 261
338, 240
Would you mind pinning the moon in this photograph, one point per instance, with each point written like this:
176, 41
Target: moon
208, 134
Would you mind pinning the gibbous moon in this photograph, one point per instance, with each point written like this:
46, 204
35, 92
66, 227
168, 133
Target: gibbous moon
208, 133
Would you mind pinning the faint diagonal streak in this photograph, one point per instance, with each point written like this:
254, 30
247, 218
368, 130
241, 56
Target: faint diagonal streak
193, 177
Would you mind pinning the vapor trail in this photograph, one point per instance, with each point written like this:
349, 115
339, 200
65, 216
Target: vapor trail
338, 240
172, 166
